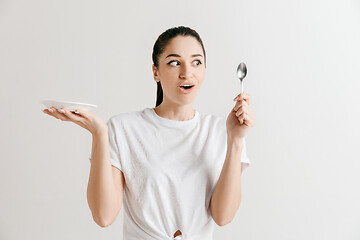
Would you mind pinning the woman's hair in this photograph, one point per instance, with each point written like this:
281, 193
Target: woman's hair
160, 45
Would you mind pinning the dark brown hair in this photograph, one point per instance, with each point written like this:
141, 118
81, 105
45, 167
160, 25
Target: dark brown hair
160, 45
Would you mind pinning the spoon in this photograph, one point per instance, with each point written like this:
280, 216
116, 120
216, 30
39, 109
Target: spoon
241, 73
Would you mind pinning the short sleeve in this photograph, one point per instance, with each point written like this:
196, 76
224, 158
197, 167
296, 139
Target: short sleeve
113, 145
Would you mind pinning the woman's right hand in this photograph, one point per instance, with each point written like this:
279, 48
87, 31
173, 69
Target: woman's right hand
85, 119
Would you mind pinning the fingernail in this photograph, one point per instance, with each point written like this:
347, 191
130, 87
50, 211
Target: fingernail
62, 111
51, 110
236, 98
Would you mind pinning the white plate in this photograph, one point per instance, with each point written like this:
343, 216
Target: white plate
72, 106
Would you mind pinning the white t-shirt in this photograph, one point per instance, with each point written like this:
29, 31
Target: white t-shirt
171, 169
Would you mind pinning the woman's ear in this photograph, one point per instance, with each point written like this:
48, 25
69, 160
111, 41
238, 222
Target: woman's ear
156, 73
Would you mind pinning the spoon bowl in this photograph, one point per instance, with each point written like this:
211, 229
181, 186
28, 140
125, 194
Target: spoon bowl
241, 73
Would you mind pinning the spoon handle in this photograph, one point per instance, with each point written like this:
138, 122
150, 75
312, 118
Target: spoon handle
242, 88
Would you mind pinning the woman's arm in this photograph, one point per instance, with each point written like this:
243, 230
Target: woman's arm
103, 196
226, 197
106, 183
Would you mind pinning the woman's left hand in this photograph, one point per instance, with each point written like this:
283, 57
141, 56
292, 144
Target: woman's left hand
240, 119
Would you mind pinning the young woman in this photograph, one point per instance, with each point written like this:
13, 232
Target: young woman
177, 170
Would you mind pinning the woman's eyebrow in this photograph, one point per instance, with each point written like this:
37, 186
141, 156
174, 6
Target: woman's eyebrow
177, 55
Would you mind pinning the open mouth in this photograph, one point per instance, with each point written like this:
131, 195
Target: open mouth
187, 87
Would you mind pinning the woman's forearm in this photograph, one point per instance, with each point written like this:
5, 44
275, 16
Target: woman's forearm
102, 197
226, 197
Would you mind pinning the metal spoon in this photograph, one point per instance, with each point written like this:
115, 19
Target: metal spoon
241, 73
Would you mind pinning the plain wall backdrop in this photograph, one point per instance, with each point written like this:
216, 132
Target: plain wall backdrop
303, 61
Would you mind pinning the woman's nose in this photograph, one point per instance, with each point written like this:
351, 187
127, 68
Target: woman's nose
185, 72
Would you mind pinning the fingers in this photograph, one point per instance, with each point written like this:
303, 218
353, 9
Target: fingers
243, 96
243, 110
244, 113
240, 104
82, 113
66, 115
243, 105
74, 117
249, 120
241, 119
55, 113
240, 112
246, 119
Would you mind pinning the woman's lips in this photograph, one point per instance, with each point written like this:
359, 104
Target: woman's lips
183, 90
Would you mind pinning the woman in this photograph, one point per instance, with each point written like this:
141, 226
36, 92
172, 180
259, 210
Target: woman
179, 169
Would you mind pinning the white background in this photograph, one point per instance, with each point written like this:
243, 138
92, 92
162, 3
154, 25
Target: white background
303, 61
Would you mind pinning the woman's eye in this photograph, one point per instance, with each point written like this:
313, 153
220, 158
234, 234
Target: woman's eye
173, 63
197, 62
176, 63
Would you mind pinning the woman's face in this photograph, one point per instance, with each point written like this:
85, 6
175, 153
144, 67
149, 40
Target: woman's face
182, 62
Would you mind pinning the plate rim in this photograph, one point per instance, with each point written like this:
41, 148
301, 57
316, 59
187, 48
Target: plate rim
78, 103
